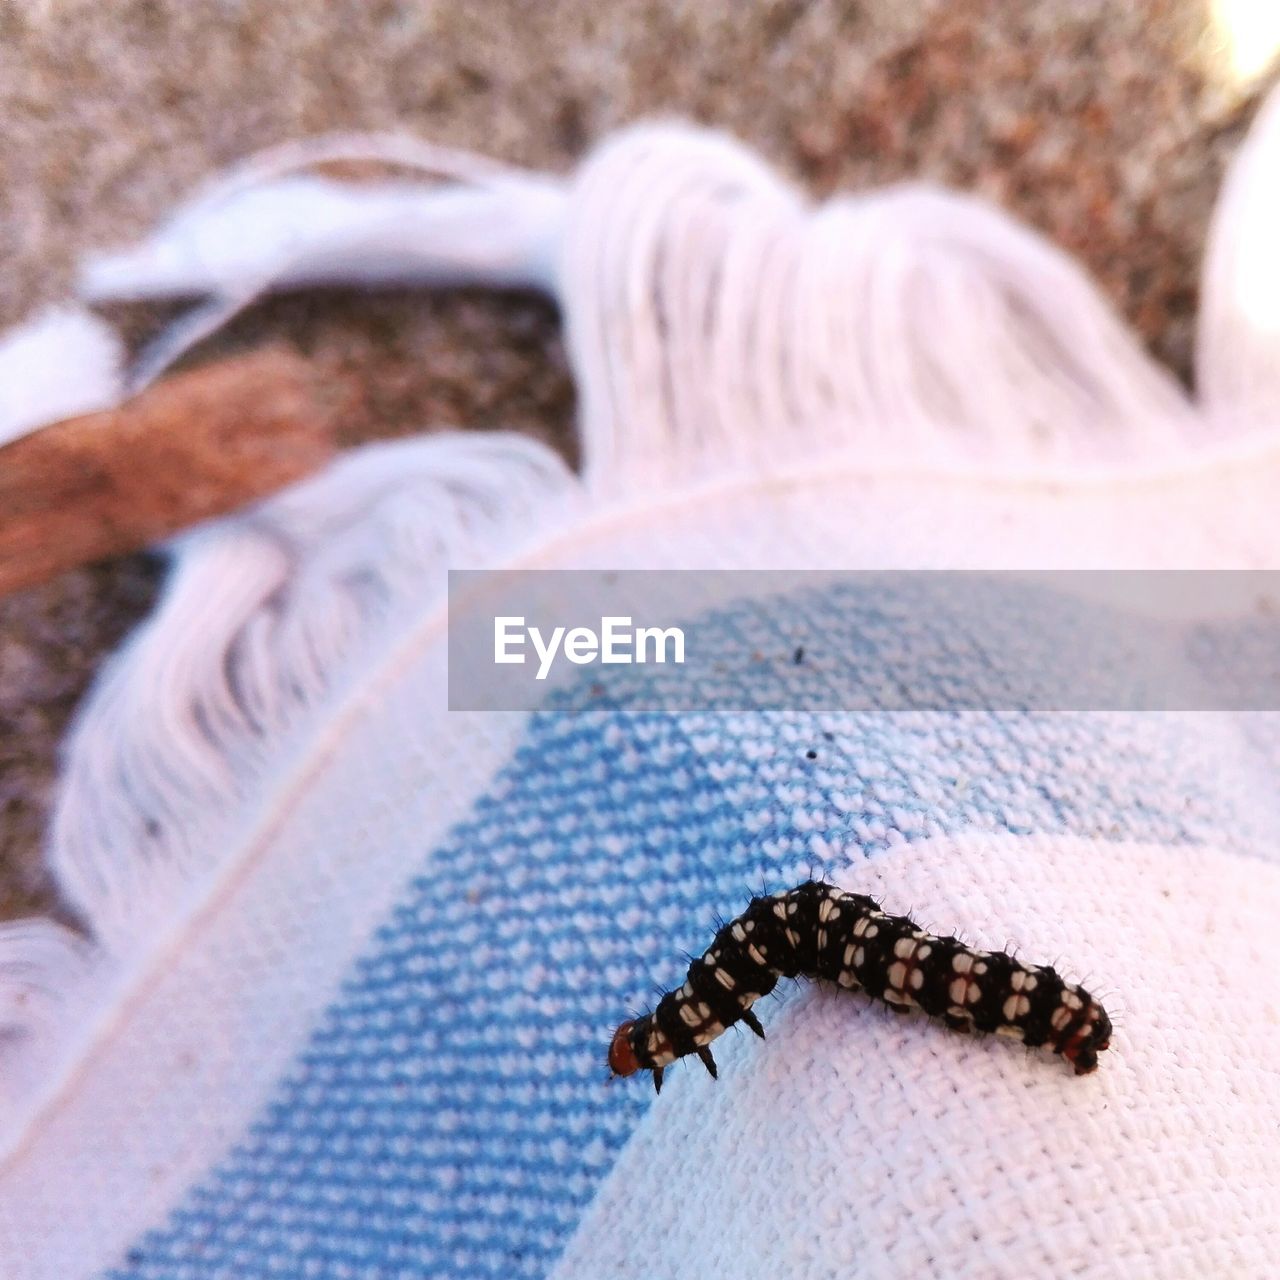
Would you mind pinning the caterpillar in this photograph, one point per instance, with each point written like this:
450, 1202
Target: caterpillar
819, 931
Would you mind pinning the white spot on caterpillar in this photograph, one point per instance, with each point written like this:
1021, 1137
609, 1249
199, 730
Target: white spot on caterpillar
912, 948
1013, 1033
725, 979
1022, 980
1015, 1007
689, 1015
757, 954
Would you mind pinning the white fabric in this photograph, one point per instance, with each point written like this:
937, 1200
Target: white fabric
306, 593
265, 227
721, 324
854, 1141
62, 363
311, 865
1237, 374
903, 381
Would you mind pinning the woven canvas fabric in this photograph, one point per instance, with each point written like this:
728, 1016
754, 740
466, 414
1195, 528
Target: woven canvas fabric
353, 959
955, 1159
449, 1114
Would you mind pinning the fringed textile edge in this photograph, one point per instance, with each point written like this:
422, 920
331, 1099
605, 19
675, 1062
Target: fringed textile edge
266, 226
720, 324
1238, 335
269, 619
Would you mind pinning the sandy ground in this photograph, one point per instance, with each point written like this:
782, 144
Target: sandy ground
1105, 125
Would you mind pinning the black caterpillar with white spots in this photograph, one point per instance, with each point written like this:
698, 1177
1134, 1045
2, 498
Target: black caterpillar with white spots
819, 931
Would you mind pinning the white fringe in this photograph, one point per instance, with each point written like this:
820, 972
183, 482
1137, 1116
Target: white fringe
258, 229
63, 362
45, 988
1238, 337
270, 619
718, 325
266, 618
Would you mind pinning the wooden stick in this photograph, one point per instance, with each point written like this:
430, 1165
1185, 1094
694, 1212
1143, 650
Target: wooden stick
193, 446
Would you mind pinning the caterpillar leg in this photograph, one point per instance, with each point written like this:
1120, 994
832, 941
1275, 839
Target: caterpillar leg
657, 1079
753, 1022
708, 1061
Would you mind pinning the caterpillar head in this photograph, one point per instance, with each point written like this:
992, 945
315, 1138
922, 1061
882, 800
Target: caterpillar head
1093, 1038
622, 1056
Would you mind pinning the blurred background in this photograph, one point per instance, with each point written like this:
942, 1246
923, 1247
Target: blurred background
1105, 125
